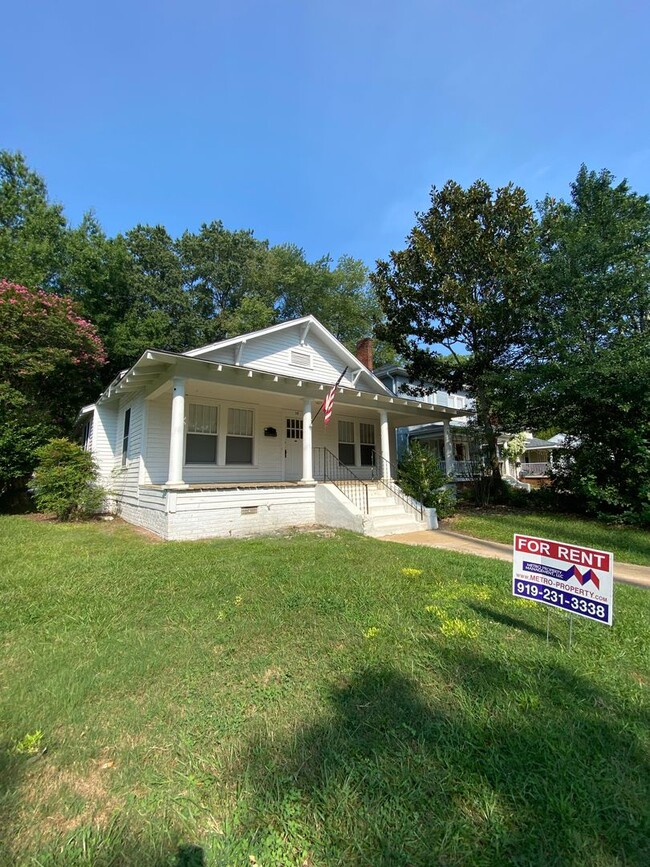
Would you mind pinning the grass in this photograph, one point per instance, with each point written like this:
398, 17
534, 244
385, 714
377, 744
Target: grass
628, 545
310, 700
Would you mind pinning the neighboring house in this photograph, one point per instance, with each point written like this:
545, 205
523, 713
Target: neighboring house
456, 453
447, 439
535, 464
221, 440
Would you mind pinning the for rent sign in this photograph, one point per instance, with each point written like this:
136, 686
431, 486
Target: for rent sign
576, 579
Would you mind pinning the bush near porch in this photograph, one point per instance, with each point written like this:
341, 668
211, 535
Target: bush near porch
316, 699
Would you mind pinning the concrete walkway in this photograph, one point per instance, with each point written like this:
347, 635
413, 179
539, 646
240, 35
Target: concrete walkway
626, 572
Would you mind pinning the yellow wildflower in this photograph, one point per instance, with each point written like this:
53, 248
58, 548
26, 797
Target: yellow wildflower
411, 573
371, 632
456, 627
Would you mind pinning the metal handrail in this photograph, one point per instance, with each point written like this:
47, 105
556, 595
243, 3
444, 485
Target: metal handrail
391, 485
330, 468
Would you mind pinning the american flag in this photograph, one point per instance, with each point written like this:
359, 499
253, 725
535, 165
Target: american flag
328, 403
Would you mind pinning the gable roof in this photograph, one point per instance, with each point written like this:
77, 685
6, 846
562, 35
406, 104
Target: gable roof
304, 325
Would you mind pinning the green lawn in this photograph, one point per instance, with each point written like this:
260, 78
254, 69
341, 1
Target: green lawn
629, 545
302, 700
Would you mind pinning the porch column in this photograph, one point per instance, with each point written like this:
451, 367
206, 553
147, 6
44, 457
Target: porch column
449, 448
307, 456
385, 444
177, 432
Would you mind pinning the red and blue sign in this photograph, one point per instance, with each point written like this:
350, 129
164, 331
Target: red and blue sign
577, 579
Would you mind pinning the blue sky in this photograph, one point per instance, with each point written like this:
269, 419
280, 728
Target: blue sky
324, 124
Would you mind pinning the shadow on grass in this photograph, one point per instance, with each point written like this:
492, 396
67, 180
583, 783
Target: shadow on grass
485, 770
507, 620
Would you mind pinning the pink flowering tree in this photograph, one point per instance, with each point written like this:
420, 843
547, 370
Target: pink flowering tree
50, 358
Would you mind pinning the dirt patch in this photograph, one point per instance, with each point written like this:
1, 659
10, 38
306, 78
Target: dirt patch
56, 801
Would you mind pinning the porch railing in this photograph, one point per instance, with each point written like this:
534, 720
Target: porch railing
460, 469
385, 473
329, 468
536, 468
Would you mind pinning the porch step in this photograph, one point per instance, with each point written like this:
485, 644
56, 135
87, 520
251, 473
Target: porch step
396, 523
389, 514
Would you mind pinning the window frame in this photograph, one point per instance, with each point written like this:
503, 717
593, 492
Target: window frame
223, 409
238, 408
353, 442
213, 405
126, 436
372, 445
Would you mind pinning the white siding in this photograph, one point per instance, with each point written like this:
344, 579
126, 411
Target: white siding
125, 479
103, 441
272, 353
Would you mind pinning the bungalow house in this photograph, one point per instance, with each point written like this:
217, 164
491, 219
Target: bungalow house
228, 439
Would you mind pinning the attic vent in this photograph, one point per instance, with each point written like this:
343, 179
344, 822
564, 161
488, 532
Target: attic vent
301, 359
249, 510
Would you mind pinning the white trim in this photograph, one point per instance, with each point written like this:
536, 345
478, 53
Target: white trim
311, 322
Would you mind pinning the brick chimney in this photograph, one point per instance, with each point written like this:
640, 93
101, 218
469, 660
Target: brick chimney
364, 351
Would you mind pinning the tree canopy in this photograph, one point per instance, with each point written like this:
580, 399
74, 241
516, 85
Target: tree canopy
144, 288
591, 366
465, 284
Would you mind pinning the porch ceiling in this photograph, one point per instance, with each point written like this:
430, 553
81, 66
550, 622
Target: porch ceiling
155, 369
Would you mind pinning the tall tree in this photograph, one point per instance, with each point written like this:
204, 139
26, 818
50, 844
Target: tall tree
592, 344
223, 270
32, 229
159, 312
459, 297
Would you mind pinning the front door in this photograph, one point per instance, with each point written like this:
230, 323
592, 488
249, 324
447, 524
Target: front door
293, 450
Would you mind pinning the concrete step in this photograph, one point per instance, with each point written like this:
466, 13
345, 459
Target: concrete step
395, 523
386, 508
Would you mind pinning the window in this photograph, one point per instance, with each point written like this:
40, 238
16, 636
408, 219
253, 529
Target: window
201, 439
346, 442
294, 428
125, 436
86, 436
459, 452
367, 440
239, 440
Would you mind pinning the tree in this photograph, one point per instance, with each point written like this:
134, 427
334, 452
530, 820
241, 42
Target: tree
32, 230
420, 476
49, 362
465, 283
224, 271
591, 360
158, 311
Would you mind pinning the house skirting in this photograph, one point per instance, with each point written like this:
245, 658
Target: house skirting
219, 511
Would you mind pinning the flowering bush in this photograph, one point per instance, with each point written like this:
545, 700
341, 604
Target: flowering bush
49, 361
41, 331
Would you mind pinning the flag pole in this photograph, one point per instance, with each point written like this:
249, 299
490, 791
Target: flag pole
336, 385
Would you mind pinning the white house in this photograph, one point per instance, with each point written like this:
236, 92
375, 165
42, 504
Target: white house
223, 440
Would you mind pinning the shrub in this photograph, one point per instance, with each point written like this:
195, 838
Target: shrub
419, 475
65, 481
